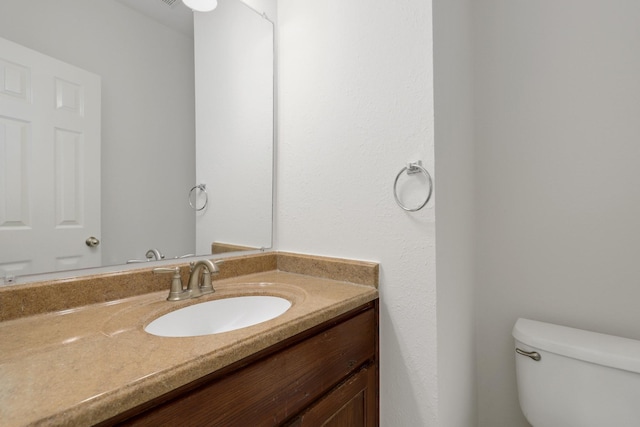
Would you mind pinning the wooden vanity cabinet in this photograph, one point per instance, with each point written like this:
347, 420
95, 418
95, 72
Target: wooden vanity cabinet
326, 376
353, 403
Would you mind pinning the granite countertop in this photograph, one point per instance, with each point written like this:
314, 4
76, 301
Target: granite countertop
87, 364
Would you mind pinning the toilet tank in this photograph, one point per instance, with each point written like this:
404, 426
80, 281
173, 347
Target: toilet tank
583, 379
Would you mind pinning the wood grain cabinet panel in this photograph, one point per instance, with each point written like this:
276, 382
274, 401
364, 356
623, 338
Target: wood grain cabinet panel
353, 403
325, 376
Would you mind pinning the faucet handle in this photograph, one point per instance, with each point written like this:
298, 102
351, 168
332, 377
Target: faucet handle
207, 280
176, 293
207, 286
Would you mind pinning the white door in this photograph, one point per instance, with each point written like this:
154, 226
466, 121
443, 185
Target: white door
49, 163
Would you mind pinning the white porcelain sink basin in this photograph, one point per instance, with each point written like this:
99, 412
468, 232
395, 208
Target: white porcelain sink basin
222, 315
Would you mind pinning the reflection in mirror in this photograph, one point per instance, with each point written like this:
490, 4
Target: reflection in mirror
147, 162
234, 127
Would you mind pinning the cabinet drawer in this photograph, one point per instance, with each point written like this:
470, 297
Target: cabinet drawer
278, 386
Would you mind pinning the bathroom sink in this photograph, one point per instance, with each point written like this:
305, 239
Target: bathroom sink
217, 316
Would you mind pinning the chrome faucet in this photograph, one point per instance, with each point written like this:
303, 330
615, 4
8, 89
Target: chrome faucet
199, 287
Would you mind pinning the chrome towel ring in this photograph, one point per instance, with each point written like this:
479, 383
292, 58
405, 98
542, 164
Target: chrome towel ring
413, 168
194, 203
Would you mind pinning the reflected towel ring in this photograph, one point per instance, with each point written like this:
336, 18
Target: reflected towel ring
203, 188
412, 168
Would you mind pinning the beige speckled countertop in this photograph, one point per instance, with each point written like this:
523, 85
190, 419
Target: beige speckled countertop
84, 365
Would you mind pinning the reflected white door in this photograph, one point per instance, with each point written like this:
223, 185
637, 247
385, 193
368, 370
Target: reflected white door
49, 163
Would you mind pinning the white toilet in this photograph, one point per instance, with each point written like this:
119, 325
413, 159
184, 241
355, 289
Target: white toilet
573, 378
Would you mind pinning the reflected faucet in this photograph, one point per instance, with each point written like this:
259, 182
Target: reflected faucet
201, 287
154, 253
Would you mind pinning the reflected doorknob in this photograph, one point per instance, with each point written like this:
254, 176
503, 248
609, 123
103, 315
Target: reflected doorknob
92, 242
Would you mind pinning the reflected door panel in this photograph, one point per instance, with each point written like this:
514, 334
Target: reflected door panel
49, 155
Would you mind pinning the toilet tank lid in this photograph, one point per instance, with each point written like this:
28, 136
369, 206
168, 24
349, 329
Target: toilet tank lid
602, 349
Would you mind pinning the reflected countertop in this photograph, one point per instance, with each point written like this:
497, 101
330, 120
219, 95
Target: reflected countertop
85, 365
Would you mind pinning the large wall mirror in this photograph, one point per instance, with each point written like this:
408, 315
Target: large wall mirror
185, 141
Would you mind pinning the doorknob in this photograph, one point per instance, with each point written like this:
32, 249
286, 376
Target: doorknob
92, 242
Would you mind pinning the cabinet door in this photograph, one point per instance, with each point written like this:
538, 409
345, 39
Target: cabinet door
352, 404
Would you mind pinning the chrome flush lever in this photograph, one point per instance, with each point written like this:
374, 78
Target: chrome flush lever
531, 354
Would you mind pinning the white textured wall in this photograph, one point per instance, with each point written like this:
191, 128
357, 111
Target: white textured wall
147, 113
454, 153
558, 101
356, 104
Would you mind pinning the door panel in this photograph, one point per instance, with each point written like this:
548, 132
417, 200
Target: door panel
50, 163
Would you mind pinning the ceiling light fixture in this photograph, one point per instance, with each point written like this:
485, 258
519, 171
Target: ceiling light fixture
201, 5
